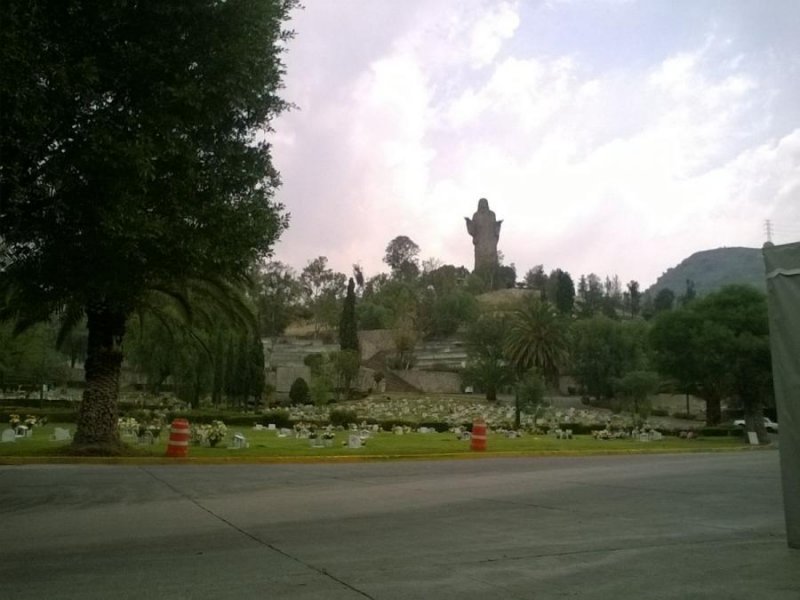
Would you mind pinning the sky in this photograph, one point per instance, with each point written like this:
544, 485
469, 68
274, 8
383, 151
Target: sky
611, 136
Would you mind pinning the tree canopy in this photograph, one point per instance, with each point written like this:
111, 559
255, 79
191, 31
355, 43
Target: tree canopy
401, 256
537, 338
718, 346
133, 159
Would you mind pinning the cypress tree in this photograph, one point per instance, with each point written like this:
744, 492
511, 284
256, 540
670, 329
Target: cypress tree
348, 332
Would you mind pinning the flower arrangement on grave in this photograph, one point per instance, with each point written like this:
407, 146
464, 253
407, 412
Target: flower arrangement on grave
328, 435
128, 426
197, 434
14, 420
154, 429
31, 421
215, 432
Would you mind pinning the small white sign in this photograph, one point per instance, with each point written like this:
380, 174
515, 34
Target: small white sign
752, 437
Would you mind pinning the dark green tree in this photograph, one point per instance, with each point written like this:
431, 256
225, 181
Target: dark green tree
346, 366
30, 359
322, 290
133, 160
441, 315
719, 345
564, 294
636, 387
347, 362
674, 338
690, 293
528, 396
591, 295
299, 392
373, 316
536, 279
504, 277
445, 278
487, 367
612, 296
604, 349
664, 300
348, 328
634, 297
402, 257
276, 296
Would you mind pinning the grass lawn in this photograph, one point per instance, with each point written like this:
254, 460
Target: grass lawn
267, 446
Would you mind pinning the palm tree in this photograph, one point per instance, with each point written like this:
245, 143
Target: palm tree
187, 308
537, 338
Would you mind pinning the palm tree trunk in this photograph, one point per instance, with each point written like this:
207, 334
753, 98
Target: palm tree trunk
97, 416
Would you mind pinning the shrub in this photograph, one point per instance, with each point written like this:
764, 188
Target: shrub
269, 392
443, 367
53, 416
314, 362
343, 417
232, 419
280, 418
684, 416
439, 426
321, 389
720, 431
390, 424
299, 392
579, 428
34, 402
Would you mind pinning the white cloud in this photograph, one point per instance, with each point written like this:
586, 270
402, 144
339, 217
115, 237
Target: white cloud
626, 170
490, 31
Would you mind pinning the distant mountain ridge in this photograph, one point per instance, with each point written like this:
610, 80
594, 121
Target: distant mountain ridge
713, 269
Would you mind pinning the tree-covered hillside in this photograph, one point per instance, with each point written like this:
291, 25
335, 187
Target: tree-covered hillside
713, 269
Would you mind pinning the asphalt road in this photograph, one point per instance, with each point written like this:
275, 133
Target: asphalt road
670, 526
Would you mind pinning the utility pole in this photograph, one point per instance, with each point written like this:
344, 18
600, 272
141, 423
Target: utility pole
768, 229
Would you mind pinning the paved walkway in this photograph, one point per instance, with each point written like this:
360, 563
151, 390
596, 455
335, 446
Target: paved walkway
671, 526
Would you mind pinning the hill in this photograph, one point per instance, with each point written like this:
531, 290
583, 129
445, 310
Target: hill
713, 269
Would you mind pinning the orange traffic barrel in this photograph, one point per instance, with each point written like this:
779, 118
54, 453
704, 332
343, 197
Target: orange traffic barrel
478, 441
178, 445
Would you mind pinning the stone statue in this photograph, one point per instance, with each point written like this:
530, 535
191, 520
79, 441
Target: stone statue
485, 231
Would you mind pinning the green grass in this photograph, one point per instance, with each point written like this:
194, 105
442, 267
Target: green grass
267, 446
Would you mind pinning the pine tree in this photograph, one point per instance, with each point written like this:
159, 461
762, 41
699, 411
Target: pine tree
348, 332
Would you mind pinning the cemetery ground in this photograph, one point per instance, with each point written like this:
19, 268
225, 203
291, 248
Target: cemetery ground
389, 426
267, 445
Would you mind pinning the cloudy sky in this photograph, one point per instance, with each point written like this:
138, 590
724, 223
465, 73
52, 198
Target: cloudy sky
612, 136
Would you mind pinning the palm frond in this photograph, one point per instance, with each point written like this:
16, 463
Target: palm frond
69, 319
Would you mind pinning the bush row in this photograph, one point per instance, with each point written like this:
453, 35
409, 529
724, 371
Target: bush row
34, 402
720, 431
53, 415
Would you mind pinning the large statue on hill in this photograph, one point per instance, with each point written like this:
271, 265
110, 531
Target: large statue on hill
485, 231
